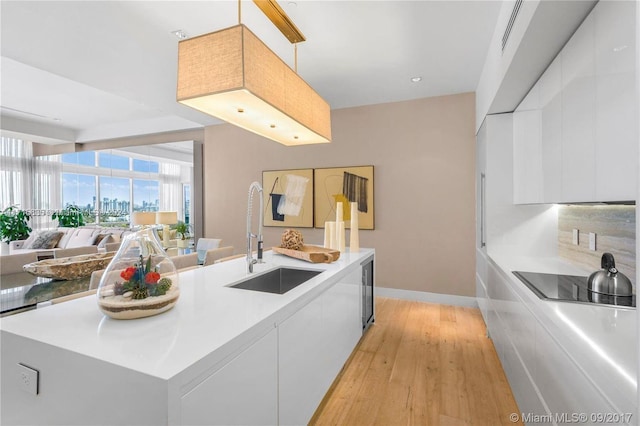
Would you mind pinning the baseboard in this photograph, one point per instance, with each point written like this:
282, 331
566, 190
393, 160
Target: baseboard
423, 296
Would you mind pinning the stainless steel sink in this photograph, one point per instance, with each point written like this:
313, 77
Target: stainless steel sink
278, 281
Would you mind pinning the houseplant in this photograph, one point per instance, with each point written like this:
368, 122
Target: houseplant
70, 217
182, 229
13, 226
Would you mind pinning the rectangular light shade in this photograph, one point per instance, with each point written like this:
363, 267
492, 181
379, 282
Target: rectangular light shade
231, 74
166, 218
143, 218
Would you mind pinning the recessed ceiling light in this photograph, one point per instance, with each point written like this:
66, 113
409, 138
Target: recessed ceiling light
620, 48
292, 4
416, 79
180, 34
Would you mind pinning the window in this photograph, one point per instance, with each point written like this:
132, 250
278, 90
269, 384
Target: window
145, 166
80, 190
114, 201
85, 158
109, 185
146, 195
111, 161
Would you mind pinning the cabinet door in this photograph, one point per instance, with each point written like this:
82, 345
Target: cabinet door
565, 387
616, 109
244, 391
341, 324
527, 151
301, 347
550, 91
578, 115
314, 343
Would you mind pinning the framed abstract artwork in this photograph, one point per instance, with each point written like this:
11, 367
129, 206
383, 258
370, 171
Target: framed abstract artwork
346, 185
288, 198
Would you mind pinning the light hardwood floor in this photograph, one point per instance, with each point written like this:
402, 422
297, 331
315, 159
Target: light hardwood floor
421, 364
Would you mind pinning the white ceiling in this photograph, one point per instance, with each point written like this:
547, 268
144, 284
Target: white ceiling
105, 69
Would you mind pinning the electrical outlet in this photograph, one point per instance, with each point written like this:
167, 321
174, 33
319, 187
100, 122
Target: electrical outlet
592, 241
576, 237
28, 379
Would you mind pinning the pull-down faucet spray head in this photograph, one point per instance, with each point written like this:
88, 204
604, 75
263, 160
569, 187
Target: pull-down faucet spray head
255, 186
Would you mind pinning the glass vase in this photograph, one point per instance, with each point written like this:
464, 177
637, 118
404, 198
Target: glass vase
140, 281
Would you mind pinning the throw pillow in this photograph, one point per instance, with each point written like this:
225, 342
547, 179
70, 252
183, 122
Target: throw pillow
108, 238
46, 240
32, 237
98, 239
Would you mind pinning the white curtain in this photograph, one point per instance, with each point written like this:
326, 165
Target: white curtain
32, 184
170, 188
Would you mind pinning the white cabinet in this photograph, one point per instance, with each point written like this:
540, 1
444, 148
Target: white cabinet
527, 152
542, 376
314, 343
578, 142
244, 391
578, 115
561, 382
301, 351
550, 92
616, 108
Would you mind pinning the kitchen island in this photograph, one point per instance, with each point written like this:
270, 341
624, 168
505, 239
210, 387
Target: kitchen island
221, 356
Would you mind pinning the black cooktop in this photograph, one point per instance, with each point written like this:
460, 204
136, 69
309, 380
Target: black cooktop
569, 288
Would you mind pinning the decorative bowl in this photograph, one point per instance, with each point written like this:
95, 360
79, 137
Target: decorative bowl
69, 268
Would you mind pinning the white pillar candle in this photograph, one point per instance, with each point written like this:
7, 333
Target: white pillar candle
329, 234
340, 236
339, 212
354, 241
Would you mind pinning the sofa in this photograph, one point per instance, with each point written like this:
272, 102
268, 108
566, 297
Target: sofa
47, 242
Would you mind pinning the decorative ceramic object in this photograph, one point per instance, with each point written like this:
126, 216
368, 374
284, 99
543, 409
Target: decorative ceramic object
340, 236
330, 235
140, 281
69, 268
354, 238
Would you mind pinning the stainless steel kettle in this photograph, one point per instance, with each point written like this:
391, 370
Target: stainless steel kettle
609, 280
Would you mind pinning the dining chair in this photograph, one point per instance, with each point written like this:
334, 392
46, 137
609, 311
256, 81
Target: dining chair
205, 244
213, 255
185, 260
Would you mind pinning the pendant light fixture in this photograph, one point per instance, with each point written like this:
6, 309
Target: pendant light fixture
232, 75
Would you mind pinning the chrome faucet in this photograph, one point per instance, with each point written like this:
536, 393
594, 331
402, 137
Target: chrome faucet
255, 186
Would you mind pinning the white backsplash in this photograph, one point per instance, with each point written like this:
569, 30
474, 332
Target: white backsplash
615, 226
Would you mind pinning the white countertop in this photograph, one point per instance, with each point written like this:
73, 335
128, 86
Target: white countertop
209, 317
600, 339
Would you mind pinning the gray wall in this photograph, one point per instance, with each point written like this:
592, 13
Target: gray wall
423, 154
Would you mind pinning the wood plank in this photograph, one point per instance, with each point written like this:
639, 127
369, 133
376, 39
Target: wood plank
368, 399
421, 364
453, 398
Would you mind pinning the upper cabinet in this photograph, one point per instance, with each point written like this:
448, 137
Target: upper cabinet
575, 134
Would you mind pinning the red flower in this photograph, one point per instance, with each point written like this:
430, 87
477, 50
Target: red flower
151, 277
128, 273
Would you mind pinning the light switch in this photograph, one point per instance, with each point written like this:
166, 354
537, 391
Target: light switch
592, 241
576, 237
28, 379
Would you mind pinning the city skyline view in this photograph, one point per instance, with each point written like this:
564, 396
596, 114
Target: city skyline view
80, 190
114, 192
